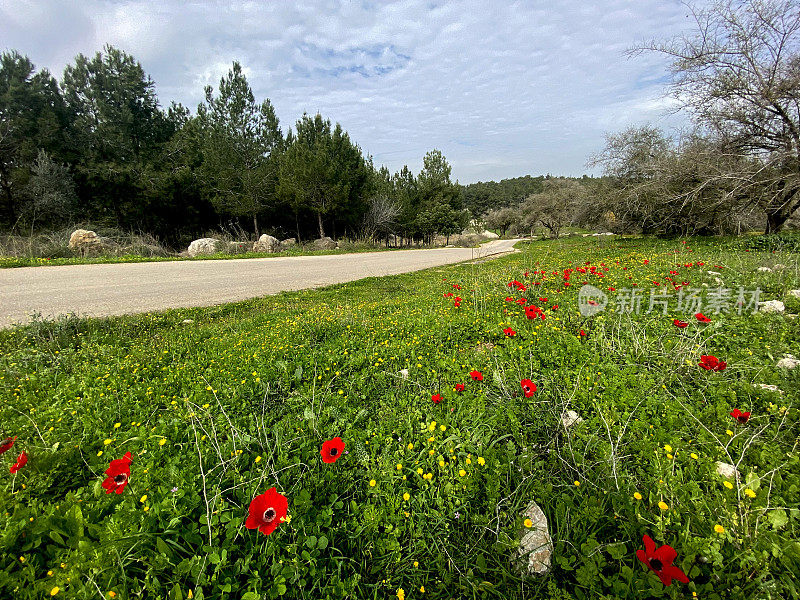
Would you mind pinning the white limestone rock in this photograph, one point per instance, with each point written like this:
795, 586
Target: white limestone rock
267, 243
324, 243
788, 362
535, 546
570, 418
203, 246
771, 306
726, 470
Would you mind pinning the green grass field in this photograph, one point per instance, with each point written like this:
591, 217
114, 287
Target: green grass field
426, 501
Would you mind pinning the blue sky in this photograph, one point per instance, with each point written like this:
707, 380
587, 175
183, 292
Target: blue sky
503, 89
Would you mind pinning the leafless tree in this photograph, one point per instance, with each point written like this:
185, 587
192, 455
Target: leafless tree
555, 206
690, 185
738, 73
381, 218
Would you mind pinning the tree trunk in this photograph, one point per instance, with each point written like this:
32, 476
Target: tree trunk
255, 225
777, 215
321, 228
775, 222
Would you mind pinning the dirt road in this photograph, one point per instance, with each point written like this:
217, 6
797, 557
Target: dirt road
117, 289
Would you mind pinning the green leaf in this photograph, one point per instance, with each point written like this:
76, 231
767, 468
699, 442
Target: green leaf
322, 542
162, 547
311, 541
56, 537
617, 551
777, 518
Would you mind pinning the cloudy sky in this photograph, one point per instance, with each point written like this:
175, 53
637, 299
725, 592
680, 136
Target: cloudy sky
503, 89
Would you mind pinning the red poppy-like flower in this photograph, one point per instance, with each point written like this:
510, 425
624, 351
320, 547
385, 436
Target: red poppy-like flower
702, 318
459, 388
21, 462
476, 375
119, 472
528, 387
437, 398
509, 332
712, 363
267, 511
332, 450
534, 311
7, 444
659, 561
457, 301
582, 333
680, 324
741, 417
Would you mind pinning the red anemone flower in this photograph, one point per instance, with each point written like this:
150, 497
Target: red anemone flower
702, 318
459, 388
528, 387
267, 511
582, 333
712, 363
476, 375
534, 311
7, 444
741, 417
21, 462
659, 561
437, 398
332, 450
509, 332
119, 472
680, 324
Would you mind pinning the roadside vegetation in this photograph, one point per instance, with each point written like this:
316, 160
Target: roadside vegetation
448, 393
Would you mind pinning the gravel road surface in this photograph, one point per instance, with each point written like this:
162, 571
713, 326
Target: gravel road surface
116, 289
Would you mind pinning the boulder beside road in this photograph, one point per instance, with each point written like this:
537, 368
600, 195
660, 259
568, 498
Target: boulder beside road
203, 246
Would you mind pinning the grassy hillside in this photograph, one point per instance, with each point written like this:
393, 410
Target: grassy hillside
426, 500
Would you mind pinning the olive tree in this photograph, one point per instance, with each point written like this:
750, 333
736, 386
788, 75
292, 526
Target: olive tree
738, 74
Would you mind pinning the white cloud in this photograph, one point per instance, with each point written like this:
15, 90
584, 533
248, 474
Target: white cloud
502, 89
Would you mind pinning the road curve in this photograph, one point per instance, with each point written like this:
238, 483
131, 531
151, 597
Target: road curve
102, 290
